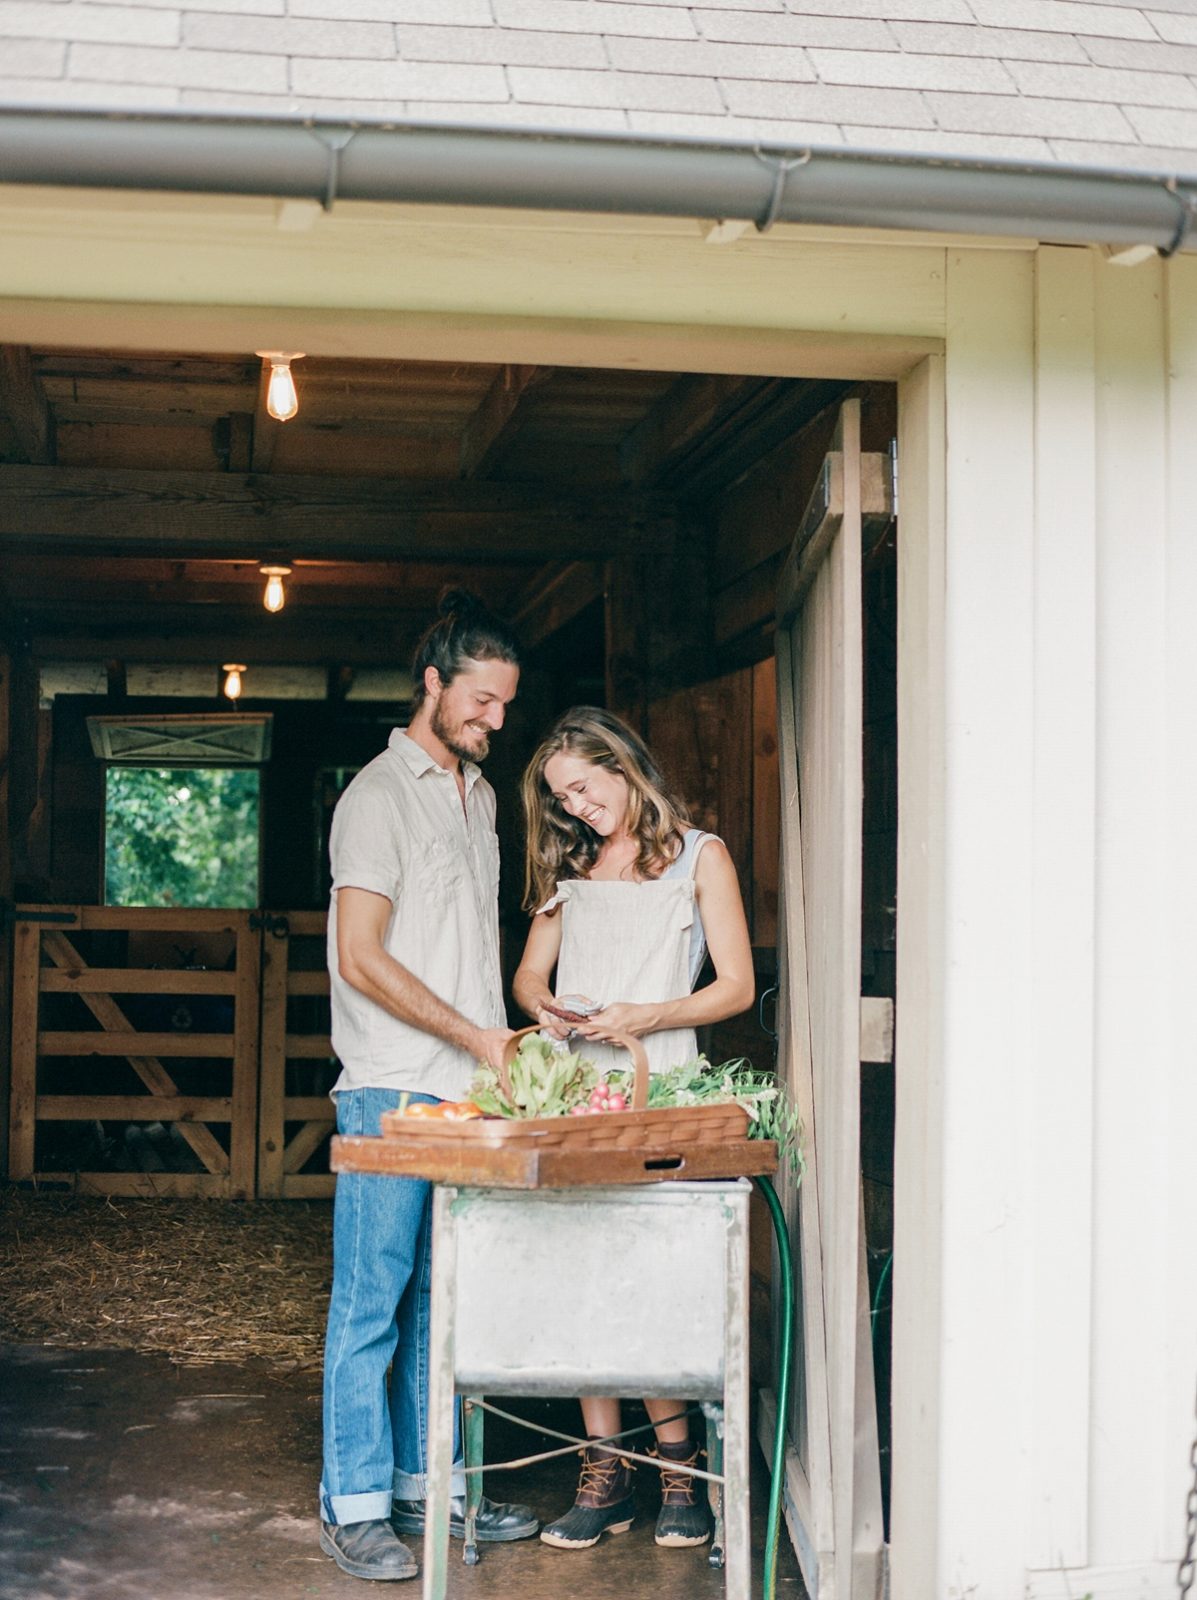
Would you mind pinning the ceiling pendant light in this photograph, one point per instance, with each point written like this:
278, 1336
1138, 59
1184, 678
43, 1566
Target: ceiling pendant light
282, 400
274, 597
232, 679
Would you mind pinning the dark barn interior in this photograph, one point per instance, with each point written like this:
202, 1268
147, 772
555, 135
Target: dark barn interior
630, 524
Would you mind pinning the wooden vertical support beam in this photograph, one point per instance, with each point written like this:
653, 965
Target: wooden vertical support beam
23, 402
919, 1053
273, 1056
6, 899
246, 1033
627, 641
766, 804
23, 1103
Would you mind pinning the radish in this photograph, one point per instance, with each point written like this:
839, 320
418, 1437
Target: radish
616, 1102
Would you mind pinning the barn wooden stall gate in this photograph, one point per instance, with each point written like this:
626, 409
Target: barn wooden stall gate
237, 1071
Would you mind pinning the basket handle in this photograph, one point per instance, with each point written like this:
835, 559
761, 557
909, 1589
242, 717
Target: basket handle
624, 1040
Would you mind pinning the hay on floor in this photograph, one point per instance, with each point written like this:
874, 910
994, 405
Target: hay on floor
199, 1281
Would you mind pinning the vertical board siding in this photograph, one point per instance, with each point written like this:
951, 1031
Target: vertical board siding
918, 1043
1062, 931
1180, 1201
989, 715
1131, 1065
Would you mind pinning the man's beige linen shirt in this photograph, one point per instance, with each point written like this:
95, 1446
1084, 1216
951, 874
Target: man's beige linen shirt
399, 830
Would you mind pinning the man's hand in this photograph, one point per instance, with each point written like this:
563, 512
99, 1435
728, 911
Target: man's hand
491, 1043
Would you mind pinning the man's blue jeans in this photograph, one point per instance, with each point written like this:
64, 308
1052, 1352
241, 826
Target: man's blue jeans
375, 1436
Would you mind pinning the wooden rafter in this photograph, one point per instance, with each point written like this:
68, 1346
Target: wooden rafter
679, 417
554, 598
23, 401
493, 423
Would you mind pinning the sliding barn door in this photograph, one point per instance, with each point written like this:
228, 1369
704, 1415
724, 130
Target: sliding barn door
833, 1474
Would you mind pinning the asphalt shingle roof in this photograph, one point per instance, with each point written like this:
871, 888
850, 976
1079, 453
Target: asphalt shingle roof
1089, 82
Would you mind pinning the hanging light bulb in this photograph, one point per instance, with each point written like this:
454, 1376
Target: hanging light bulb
232, 679
274, 598
282, 400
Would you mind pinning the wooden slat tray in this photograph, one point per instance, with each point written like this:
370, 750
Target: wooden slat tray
529, 1164
600, 1130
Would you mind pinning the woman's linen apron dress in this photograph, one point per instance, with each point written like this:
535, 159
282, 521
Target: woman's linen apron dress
634, 942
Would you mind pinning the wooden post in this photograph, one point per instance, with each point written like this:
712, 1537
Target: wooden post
22, 1107
766, 804
273, 1055
246, 1024
6, 900
627, 642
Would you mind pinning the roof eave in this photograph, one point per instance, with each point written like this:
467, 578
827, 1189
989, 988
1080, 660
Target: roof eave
560, 170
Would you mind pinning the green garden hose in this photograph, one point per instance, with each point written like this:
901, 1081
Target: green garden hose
777, 1480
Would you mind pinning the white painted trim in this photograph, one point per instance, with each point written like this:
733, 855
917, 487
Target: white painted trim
1149, 1580
1063, 911
921, 956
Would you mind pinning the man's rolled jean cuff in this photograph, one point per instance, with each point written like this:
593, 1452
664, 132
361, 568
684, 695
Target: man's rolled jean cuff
373, 1506
414, 1485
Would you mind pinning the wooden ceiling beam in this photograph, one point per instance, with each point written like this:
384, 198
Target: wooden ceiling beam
23, 401
683, 412
197, 514
493, 423
341, 647
551, 601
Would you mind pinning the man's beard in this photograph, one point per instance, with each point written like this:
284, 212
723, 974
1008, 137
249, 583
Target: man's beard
451, 738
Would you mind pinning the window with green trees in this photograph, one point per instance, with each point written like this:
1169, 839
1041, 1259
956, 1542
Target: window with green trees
181, 837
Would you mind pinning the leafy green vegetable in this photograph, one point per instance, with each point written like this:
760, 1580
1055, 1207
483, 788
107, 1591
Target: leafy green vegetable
771, 1114
545, 1082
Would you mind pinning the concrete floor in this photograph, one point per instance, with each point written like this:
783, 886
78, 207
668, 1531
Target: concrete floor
125, 1477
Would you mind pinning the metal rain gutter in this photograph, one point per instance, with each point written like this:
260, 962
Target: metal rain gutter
580, 172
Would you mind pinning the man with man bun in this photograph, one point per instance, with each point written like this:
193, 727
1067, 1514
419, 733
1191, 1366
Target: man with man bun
413, 956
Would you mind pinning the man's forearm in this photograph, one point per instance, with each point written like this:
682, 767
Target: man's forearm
397, 990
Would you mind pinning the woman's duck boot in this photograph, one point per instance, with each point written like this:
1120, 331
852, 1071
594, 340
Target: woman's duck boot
603, 1503
685, 1515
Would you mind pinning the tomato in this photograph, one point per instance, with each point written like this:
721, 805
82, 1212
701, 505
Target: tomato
422, 1108
459, 1111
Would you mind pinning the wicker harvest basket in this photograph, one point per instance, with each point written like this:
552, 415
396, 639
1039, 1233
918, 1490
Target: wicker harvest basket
607, 1130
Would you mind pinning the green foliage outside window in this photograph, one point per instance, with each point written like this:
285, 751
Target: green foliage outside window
181, 837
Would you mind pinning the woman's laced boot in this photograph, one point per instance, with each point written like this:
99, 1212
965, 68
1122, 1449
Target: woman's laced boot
685, 1515
603, 1503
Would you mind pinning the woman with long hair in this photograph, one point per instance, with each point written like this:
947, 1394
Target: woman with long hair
627, 897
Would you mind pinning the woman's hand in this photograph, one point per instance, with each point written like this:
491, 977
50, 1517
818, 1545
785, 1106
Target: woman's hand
621, 1017
552, 1025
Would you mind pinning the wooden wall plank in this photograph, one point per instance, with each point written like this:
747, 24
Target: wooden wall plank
916, 1316
132, 1041
766, 804
23, 402
131, 980
1180, 285
989, 753
1131, 1127
1063, 929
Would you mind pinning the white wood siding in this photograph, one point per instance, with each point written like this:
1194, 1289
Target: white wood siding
1069, 1334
